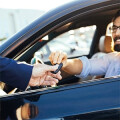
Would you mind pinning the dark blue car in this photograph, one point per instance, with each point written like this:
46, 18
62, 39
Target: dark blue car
80, 24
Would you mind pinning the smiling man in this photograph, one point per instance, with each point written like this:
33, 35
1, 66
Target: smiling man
115, 29
108, 65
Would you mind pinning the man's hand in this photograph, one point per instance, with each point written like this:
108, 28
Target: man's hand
58, 57
41, 75
71, 66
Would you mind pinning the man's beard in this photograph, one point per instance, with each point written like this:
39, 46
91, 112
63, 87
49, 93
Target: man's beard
117, 46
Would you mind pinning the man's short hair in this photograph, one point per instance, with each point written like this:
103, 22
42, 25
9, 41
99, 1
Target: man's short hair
116, 15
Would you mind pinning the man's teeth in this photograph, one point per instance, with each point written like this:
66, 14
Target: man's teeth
118, 40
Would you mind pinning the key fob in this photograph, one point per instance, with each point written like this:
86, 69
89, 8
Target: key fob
59, 67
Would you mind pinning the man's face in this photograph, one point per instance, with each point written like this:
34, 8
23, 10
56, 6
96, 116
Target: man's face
116, 34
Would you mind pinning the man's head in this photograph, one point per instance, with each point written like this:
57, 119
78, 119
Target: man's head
116, 31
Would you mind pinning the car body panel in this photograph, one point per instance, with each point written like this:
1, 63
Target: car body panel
78, 99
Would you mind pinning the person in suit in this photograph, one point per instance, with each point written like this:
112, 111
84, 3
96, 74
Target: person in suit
20, 75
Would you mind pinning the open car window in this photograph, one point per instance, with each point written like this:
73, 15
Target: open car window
74, 42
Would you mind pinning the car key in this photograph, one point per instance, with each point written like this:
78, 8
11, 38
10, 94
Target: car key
59, 67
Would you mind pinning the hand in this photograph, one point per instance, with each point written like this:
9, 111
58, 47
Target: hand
41, 75
58, 57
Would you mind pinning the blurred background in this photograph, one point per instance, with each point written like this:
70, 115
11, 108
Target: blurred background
16, 14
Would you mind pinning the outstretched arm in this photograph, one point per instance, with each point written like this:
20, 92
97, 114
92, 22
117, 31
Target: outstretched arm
20, 75
71, 66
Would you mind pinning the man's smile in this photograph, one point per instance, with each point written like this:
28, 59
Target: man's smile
117, 40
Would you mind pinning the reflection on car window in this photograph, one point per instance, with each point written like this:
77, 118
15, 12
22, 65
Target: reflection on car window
74, 42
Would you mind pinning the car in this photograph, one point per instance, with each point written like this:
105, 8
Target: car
73, 98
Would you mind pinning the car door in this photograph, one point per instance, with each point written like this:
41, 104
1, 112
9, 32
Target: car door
96, 99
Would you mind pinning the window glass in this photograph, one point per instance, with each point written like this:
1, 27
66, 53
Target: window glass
74, 42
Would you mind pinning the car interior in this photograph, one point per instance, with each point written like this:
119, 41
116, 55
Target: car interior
101, 44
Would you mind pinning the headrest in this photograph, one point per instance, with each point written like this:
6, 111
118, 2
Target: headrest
106, 43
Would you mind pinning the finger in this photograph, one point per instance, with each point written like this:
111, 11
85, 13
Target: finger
50, 78
49, 83
62, 57
56, 56
41, 80
50, 57
51, 68
47, 80
58, 75
64, 60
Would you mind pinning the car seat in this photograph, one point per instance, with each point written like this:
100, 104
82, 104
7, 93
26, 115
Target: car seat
106, 44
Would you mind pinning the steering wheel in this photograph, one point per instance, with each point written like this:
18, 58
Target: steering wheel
36, 60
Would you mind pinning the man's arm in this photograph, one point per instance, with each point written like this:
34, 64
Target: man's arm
21, 75
82, 67
71, 66
15, 74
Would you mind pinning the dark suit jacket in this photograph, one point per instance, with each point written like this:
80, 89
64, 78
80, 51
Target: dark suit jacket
15, 74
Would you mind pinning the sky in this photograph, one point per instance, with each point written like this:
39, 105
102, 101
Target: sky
31, 4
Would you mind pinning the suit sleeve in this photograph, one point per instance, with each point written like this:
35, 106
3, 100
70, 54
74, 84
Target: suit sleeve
15, 74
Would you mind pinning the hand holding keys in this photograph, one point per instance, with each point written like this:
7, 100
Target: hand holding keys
59, 67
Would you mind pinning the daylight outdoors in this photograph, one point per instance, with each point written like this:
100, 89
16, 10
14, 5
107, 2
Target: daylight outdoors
59, 59
16, 14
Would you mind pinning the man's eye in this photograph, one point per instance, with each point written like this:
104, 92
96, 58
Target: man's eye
114, 28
